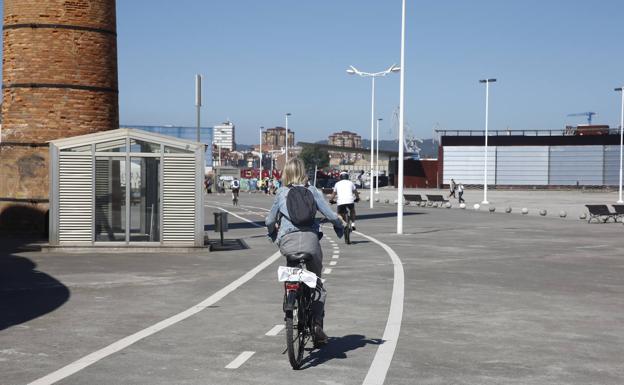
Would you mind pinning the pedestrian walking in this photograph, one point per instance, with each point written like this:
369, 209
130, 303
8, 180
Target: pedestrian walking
452, 188
460, 193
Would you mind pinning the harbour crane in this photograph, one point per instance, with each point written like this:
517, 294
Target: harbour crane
588, 114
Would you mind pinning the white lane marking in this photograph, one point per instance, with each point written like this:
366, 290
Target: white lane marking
335, 256
236, 215
335, 247
123, 343
275, 330
327, 270
238, 361
381, 363
333, 263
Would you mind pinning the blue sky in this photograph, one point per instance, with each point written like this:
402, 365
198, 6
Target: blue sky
261, 59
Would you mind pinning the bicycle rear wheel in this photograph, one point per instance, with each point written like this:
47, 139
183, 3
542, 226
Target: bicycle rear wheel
296, 333
347, 232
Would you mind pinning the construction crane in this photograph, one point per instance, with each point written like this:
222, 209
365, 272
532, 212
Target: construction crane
588, 114
410, 141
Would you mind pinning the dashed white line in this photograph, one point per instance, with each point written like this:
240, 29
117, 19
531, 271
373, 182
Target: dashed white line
123, 343
275, 330
333, 263
335, 256
327, 270
238, 361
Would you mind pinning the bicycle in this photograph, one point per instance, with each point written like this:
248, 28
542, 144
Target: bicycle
348, 224
234, 198
299, 291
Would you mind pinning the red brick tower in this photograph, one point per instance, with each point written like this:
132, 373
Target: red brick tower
59, 79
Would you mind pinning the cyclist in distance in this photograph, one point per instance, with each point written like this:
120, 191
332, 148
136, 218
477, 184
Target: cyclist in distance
347, 195
293, 228
235, 188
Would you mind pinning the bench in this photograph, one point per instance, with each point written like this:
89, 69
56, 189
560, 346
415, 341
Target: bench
413, 198
619, 211
601, 212
436, 198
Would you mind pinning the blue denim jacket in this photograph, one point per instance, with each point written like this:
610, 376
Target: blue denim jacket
286, 226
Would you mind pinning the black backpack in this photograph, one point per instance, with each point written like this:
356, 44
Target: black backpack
301, 206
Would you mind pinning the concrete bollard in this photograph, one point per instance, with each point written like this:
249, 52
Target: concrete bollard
462, 206
377, 200
476, 206
448, 205
583, 216
563, 214
543, 212
491, 209
429, 203
508, 210
367, 199
525, 211
396, 201
387, 201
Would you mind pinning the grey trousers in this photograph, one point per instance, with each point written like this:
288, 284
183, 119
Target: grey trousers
308, 242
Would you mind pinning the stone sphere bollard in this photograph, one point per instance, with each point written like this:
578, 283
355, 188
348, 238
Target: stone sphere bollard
396, 201
563, 214
462, 206
476, 206
543, 212
448, 205
583, 216
367, 199
429, 203
491, 209
387, 201
377, 200
525, 211
508, 210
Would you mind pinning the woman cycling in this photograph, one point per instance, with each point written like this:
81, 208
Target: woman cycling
291, 238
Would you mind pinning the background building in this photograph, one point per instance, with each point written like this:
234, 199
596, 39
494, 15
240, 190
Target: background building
344, 139
571, 157
59, 79
186, 133
224, 136
275, 138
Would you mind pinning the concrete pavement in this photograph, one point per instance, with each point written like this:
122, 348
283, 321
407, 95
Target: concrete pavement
489, 299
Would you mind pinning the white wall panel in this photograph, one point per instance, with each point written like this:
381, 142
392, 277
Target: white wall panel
465, 164
75, 197
612, 165
179, 196
522, 165
572, 164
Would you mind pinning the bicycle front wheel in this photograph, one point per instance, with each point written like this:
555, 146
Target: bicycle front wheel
295, 335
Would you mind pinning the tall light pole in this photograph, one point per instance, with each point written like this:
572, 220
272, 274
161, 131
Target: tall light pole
198, 102
260, 175
377, 160
287, 115
620, 201
401, 124
485, 168
354, 71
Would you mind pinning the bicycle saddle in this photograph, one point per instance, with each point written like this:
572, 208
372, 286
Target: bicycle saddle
298, 257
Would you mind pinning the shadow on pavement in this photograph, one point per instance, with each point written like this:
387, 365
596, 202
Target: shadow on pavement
26, 293
337, 348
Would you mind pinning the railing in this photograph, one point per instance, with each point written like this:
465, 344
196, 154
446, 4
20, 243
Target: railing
570, 131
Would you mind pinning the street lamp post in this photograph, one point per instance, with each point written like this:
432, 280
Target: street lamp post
401, 124
620, 201
377, 160
287, 115
260, 166
198, 101
354, 71
485, 168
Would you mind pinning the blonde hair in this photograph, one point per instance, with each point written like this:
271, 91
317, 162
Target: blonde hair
294, 172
